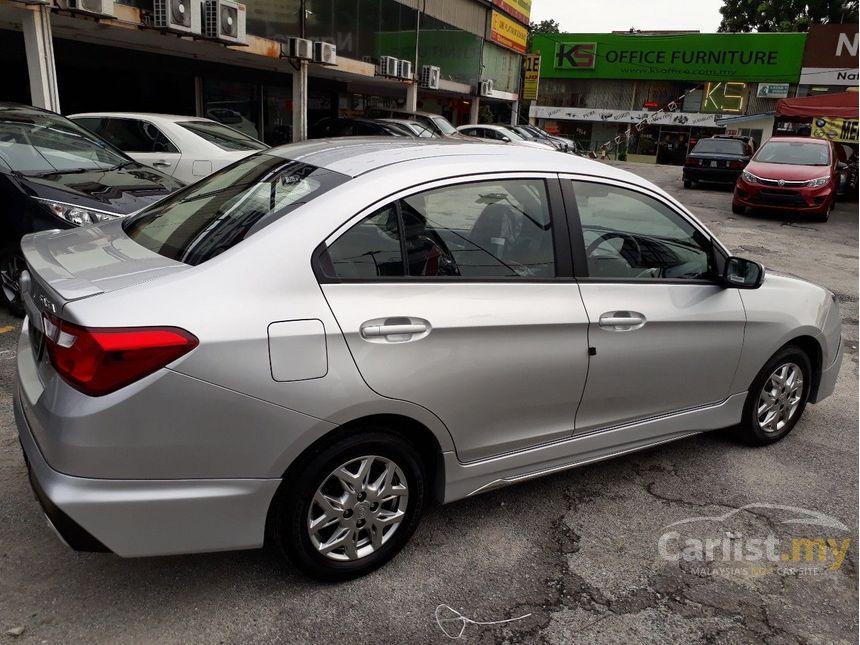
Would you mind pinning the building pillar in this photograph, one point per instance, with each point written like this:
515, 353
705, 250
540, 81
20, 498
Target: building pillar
474, 108
412, 97
41, 67
300, 102
515, 113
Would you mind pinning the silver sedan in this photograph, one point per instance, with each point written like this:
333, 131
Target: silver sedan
311, 345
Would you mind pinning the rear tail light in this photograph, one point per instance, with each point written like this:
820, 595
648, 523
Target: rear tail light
692, 162
98, 361
737, 164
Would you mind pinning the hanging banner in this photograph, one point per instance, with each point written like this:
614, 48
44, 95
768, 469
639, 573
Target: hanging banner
519, 9
835, 129
531, 77
508, 33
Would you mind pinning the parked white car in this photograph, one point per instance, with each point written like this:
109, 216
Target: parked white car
501, 134
186, 147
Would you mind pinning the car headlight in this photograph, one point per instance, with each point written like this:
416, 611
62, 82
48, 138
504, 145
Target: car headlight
75, 214
821, 181
749, 177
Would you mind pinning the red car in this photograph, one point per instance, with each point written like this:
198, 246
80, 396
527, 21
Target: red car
791, 173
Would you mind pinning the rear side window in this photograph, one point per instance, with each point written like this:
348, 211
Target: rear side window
207, 218
222, 136
494, 229
720, 146
129, 135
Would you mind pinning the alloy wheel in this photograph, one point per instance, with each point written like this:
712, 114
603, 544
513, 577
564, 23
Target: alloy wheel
780, 397
357, 509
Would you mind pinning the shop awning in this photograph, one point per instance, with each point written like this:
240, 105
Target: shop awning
841, 104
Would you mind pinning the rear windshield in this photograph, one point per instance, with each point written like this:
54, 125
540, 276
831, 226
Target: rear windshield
795, 152
213, 215
222, 136
720, 146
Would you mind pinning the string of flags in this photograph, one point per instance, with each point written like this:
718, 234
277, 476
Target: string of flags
673, 106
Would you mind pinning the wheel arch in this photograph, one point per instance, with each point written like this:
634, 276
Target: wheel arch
812, 348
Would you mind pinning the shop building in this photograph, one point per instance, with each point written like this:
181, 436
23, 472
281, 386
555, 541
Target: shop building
595, 87
453, 57
829, 60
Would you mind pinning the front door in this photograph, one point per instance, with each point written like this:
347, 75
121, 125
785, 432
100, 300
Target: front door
455, 298
665, 336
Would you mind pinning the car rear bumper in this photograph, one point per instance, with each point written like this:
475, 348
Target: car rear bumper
717, 175
147, 517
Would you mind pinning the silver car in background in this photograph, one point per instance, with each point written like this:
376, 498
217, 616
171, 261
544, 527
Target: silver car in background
313, 344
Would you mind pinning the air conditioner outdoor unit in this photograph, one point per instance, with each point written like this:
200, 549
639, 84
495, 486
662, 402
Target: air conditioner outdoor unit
90, 7
387, 66
298, 48
224, 20
404, 69
325, 53
368, 59
487, 88
181, 16
430, 75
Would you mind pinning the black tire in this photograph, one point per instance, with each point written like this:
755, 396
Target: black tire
750, 429
737, 209
688, 183
288, 530
825, 216
11, 265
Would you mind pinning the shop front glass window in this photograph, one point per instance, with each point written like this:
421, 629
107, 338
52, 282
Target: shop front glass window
234, 104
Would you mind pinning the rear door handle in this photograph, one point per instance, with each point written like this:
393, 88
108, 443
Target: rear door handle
394, 330
621, 321
161, 163
391, 330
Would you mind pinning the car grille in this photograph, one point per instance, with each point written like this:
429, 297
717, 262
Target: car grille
786, 197
785, 182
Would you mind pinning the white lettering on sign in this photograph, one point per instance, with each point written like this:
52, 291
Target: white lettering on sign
845, 42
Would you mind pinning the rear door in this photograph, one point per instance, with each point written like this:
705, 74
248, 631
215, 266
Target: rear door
666, 336
143, 141
458, 296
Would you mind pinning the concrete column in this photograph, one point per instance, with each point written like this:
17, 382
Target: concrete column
412, 97
515, 112
474, 108
300, 102
40, 57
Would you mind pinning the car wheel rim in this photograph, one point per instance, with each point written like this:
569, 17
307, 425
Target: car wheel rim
780, 397
10, 273
358, 508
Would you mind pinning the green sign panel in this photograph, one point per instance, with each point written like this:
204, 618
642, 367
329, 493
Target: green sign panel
768, 57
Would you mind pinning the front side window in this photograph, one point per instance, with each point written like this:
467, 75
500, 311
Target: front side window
629, 235
205, 219
492, 229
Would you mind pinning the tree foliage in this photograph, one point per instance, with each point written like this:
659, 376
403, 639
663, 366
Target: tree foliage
544, 27
784, 15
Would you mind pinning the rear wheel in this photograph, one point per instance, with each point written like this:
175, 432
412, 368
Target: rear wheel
11, 265
738, 209
688, 183
777, 397
350, 507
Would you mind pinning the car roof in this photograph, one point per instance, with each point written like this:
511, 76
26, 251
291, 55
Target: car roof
139, 115
799, 140
354, 156
492, 126
7, 106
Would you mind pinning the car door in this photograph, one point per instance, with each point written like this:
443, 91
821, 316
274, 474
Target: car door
665, 335
143, 141
459, 297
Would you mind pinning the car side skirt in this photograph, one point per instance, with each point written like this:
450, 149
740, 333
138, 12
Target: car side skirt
465, 480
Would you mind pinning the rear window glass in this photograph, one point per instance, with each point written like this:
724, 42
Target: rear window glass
720, 146
213, 215
222, 136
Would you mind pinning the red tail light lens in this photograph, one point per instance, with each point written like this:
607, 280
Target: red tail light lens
102, 360
737, 164
692, 162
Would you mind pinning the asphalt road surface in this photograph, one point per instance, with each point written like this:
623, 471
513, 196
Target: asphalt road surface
579, 551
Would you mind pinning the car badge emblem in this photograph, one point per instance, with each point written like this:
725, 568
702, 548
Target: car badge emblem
781, 182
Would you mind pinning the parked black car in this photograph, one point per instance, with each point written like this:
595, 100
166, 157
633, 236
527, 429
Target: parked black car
716, 159
437, 123
55, 175
356, 127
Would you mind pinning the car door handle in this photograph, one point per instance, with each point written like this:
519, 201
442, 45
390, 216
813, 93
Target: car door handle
161, 163
375, 331
621, 321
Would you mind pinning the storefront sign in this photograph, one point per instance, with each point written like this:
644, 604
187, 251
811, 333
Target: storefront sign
519, 9
508, 33
754, 57
835, 129
831, 55
689, 119
531, 77
772, 91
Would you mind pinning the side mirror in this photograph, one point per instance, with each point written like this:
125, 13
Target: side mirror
741, 273
841, 165
506, 139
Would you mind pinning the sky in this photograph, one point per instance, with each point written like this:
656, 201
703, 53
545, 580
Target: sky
601, 16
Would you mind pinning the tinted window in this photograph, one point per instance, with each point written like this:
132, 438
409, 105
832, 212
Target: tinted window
477, 230
720, 146
794, 152
130, 135
222, 136
36, 143
211, 216
630, 235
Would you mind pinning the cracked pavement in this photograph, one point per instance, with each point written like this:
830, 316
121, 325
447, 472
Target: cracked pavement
577, 550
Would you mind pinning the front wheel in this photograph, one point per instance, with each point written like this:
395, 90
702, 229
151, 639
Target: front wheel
738, 209
824, 216
777, 397
11, 265
350, 507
